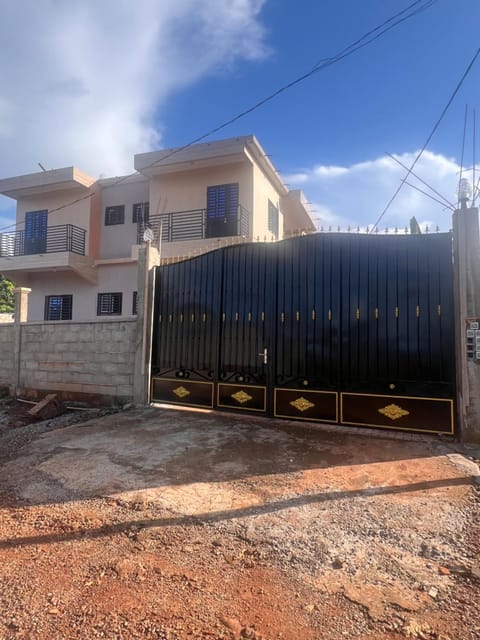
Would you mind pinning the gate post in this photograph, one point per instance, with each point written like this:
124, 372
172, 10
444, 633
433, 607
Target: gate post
466, 257
20, 317
148, 259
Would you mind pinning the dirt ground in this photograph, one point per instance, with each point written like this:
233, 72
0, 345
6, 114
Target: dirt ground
167, 524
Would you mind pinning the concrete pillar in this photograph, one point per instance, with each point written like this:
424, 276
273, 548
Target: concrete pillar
21, 303
148, 259
21, 315
466, 252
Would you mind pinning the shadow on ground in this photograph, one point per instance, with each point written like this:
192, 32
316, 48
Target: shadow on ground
157, 449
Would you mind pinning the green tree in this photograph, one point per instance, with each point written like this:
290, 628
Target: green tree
7, 297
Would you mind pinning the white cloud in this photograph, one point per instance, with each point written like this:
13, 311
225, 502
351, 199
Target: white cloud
83, 82
357, 194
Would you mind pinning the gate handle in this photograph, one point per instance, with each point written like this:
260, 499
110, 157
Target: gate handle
265, 355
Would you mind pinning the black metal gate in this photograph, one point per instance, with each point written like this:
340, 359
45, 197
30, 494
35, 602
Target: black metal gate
349, 328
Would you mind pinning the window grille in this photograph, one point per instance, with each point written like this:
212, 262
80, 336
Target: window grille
58, 307
115, 215
109, 304
141, 212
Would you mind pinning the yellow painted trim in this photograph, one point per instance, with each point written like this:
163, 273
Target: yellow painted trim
388, 395
389, 426
246, 386
303, 391
182, 381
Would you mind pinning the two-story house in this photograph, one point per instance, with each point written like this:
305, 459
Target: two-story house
76, 239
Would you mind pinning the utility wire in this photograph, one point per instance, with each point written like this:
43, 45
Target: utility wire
430, 136
445, 201
428, 4
429, 195
374, 34
344, 53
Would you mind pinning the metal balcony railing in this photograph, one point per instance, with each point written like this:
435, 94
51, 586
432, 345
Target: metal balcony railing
56, 239
195, 224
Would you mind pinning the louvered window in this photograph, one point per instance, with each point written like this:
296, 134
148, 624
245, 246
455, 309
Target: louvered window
222, 210
109, 304
273, 218
114, 215
35, 232
134, 304
58, 307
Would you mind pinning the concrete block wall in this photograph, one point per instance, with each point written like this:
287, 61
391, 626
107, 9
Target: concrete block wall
92, 358
7, 336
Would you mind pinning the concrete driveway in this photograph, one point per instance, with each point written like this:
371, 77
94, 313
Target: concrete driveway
196, 460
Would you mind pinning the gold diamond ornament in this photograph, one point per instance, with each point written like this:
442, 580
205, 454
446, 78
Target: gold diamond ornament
301, 404
181, 392
394, 412
241, 396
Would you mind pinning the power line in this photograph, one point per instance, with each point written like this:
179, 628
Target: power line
430, 136
429, 195
445, 201
413, 9
344, 53
428, 4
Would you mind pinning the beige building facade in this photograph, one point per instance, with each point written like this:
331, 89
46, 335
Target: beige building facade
76, 239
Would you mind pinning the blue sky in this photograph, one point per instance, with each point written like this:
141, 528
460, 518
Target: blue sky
93, 83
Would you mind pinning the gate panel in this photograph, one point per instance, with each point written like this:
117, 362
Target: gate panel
407, 413
306, 358
397, 332
244, 330
185, 339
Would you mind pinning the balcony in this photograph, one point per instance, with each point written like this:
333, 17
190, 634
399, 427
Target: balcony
57, 248
195, 224
62, 237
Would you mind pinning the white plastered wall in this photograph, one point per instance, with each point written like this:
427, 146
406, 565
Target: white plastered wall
77, 214
111, 279
116, 240
264, 191
187, 190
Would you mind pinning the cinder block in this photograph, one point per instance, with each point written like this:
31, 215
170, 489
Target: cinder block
125, 391
68, 386
102, 389
120, 380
